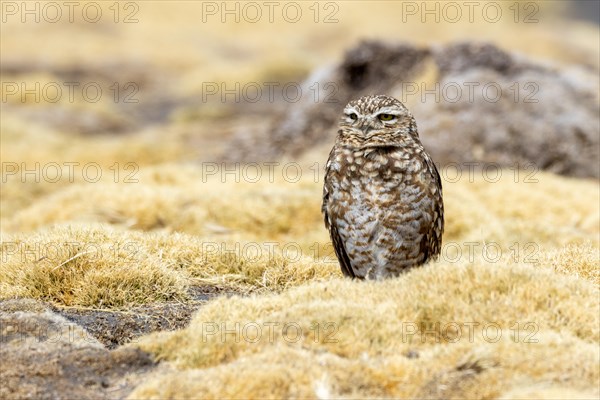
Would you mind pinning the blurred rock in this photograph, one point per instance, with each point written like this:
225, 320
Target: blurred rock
530, 115
462, 56
368, 68
484, 105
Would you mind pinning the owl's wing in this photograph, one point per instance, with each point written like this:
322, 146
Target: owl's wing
338, 243
431, 245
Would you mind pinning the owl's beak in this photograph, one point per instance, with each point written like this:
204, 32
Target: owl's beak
365, 127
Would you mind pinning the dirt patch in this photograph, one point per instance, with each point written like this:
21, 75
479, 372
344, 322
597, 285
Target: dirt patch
45, 356
113, 328
48, 352
85, 373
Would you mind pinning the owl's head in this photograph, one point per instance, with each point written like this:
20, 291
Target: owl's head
376, 121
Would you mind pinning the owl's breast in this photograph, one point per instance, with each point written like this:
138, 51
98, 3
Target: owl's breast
375, 174
382, 205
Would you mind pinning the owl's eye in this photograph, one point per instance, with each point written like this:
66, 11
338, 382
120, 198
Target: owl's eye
386, 117
353, 116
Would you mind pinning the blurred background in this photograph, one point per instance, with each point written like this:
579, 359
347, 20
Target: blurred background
149, 82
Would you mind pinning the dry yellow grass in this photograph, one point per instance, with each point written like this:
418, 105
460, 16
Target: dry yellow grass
183, 198
97, 266
408, 337
543, 287
581, 261
269, 236
38, 161
86, 266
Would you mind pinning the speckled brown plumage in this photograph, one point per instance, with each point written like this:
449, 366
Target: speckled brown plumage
382, 197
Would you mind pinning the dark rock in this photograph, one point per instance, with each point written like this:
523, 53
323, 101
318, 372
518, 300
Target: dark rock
368, 68
372, 64
541, 119
520, 112
461, 56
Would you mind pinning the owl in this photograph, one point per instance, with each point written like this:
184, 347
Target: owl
382, 196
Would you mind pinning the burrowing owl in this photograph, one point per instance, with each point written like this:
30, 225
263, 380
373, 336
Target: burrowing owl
382, 197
